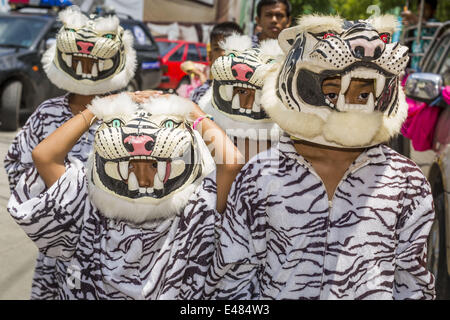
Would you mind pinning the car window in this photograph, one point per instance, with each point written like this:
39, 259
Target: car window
53, 30
165, 47
19, 32
203, 53
437, 54
140, 37
192, 53
445, 68
177, 55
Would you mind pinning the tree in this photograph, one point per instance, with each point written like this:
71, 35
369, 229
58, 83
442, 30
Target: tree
357, 9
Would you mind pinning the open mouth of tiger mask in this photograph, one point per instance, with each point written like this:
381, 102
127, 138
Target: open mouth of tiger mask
339, 83
147, 159
92, 55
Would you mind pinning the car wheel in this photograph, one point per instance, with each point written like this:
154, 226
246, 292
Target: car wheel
10, 106
437, 253
185, 80
132, 86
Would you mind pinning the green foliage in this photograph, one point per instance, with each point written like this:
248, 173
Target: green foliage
357, 9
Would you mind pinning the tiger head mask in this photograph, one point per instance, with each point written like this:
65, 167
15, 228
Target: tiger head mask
339, 83
92, 55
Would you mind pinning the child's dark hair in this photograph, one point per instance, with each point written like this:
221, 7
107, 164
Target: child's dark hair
224, 29
263, 3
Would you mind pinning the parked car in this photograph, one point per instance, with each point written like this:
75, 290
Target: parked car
173, 54
24, 37
427, 86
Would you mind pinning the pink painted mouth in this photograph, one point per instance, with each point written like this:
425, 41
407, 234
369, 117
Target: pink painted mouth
168, 167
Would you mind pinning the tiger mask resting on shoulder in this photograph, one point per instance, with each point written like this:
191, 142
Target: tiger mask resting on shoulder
147, 160
328, 59
92, 55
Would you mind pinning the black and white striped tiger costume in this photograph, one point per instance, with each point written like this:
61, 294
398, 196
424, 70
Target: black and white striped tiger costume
100, 255
19, 166
280, 237
92, 55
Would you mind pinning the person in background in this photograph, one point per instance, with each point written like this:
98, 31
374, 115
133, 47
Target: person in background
218, 34
197, 75
410, 18
272, 17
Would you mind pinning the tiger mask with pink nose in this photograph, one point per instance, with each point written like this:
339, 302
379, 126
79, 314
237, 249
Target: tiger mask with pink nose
147, 160
238, 78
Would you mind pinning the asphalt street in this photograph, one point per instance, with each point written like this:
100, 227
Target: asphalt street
18, 253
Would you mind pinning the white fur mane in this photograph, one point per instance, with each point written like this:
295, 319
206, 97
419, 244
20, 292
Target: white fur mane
236, 42
319, 23
170, 105
105, 24
72, 17
107, 107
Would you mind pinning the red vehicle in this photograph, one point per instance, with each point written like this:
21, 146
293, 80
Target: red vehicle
173, 53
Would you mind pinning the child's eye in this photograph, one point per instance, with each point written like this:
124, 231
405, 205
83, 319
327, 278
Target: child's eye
71, 30
364, 96
109, 36
331, 96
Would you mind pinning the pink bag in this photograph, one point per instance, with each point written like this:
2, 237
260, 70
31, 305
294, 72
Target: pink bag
420, 124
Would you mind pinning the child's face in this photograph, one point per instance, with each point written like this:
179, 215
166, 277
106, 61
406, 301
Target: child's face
216, 50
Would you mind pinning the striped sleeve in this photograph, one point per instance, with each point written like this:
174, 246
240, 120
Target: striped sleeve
412, 278
53, 219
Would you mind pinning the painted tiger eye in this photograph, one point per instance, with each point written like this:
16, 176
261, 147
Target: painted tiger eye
169, 124
116, 123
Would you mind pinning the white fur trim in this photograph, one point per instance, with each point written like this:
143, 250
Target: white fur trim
271, 48
72, 17
319, 23
352, 129
170, 105
240, 129
106, 107
385, 23
87, 87
236, 42
105, 24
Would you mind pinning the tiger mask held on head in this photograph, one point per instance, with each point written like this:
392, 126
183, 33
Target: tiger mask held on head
339, 84
147, 160
235, 97
92, 55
